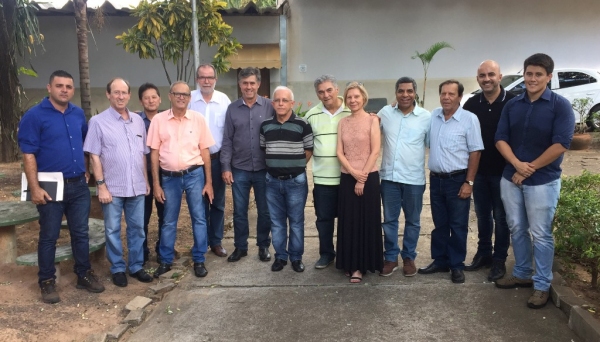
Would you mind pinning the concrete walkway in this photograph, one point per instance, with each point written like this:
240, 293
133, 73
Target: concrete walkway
245, 301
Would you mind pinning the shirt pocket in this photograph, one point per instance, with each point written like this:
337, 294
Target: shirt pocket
220, 120
412, 136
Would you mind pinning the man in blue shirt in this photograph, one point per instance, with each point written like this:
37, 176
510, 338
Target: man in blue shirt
405, 129
51, 138
453, 160
534, 131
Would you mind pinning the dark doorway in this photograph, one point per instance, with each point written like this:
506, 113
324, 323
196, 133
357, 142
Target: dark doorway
265, 83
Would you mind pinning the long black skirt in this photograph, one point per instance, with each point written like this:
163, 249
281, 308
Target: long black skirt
359, 241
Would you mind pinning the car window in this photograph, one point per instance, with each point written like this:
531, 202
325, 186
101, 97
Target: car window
519, 88
508, 79
567, 79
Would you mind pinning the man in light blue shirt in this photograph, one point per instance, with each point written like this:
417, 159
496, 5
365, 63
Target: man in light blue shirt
454, 154
405, 129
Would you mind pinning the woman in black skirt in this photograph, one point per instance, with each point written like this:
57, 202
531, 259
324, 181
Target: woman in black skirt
359, 243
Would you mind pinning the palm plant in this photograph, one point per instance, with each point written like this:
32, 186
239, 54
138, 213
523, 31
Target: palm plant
426, 58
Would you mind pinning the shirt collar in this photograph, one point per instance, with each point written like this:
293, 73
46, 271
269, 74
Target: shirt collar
500, 97
416, 110
259, 101
47, 104
457, 115
197, 97
118, 116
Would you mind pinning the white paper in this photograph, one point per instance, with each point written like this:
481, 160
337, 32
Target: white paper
52, 177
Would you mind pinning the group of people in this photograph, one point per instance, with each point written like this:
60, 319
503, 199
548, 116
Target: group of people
503, 151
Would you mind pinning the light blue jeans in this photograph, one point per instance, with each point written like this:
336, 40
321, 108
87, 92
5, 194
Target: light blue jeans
529, 213
134, 218
173, 187
409, 198
286, 200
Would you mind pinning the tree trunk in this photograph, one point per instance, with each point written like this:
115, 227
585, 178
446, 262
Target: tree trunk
10, 111
594, 274
84, 64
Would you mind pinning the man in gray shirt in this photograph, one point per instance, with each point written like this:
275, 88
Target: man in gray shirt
243, 163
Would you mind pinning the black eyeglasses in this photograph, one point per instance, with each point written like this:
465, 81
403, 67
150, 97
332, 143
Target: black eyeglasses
181, 94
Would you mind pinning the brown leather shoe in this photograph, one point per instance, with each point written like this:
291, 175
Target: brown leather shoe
219, 251
409, 269
388, 268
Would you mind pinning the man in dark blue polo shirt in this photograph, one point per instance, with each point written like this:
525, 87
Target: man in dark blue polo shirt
534, 131
489, 209
51, 138
288, 142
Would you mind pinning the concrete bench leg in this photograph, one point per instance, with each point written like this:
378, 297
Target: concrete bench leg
99, 255
8, 244
57, 273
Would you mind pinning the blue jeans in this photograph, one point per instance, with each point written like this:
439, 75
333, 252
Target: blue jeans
134, 218
215, 212
286, 200
489, 210
451, 220
529, 213
76, 207
173, 187
242, 182
326, 205
160, 208
410, 198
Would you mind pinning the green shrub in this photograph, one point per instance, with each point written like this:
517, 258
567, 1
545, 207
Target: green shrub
577, 221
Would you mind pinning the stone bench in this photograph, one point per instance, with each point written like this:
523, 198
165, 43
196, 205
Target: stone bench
63, 253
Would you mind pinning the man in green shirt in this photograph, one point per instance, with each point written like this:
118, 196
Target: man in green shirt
324, 119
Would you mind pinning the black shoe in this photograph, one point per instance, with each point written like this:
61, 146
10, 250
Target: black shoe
119, 279
433, 268
49, 294
199, 270
298, 266
498, 270
162, 268
479, 262
458, 276
237, 255
142, 276
278, 265
263, 254
90, 282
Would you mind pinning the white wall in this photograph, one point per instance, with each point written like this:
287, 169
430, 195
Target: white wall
370, 41
373, 41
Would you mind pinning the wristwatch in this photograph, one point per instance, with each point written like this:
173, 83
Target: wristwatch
100, 182
467, 181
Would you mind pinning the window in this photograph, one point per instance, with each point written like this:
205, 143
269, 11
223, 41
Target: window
569, 79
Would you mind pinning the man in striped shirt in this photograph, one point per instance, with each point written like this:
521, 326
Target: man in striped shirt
288, 143
116, 142
324, 119
455, 149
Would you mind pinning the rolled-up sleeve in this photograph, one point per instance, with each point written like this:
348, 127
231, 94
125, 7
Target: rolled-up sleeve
503, 132
28, 135
474, 140
564, 123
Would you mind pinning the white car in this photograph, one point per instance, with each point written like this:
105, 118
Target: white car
571, 83
505, 82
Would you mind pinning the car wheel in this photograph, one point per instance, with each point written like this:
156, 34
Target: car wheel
594, 123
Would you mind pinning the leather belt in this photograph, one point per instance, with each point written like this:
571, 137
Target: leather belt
448, 175
286, 177
179, 173
215, 155
74, 179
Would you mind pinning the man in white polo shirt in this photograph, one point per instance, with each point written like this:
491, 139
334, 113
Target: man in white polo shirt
212, 104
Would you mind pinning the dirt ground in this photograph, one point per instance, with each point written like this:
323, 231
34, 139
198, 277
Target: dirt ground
24, 317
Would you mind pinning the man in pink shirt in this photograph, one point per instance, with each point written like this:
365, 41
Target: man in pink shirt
179, 139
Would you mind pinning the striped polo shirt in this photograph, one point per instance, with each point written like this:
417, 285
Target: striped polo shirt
326, 166
285, 145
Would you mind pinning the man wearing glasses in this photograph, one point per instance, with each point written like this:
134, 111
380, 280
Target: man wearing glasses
212, 104
179, 139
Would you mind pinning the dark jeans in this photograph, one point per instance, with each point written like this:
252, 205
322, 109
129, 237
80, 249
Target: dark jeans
215, 211
242, 182
160, 209
451, 220
489, 210
326, 204
76, 207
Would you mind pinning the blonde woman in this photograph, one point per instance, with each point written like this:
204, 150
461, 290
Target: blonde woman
359, 244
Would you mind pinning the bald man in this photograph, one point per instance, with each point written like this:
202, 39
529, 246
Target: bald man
490, 212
